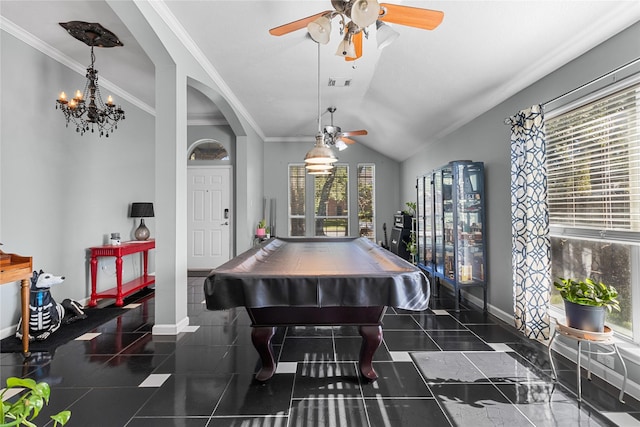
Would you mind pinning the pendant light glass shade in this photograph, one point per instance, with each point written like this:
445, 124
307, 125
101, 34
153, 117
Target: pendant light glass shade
320, 29
346, 48
365, 12
320, 153
385, 35
318, 166
340, 144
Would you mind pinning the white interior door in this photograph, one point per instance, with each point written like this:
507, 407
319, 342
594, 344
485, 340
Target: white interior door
209, 216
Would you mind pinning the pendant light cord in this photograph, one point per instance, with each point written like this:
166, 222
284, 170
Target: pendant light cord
319, 126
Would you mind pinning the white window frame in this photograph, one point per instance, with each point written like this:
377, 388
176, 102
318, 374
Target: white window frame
289, 215
373, 196
582, 233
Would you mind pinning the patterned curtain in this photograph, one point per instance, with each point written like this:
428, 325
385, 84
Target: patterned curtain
531, 247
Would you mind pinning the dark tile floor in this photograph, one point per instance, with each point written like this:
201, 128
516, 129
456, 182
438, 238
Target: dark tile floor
436, 368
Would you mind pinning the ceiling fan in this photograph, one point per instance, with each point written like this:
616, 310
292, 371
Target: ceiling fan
334, 136
361, 13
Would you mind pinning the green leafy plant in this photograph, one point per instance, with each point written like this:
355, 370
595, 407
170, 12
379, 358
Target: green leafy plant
588, 292
27, 407
412, 246
412, 206
262, 223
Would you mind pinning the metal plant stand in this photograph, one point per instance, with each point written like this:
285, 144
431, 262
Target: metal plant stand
600, 338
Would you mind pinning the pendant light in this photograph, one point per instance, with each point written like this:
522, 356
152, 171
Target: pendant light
321, 156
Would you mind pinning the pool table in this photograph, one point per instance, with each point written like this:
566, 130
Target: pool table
317, 281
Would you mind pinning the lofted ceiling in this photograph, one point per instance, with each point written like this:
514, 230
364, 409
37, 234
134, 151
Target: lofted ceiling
423, 86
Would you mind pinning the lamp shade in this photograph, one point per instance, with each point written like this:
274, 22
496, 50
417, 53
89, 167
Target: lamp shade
365, 12
320, 29
141, 210
340, 144
320, 153
318, 166
385, 35
346, 48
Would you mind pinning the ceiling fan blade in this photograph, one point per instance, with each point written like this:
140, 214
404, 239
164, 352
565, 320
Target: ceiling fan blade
357, 41
295, 25
348, 141
411, 16
354, 133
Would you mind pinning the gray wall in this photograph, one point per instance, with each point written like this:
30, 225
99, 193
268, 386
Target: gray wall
61, 192
278, 156
486, 139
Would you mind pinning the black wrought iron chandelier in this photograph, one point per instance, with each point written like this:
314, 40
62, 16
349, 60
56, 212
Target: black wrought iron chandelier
86, 110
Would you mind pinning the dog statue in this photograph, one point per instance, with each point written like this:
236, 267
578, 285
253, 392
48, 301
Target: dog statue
45, 314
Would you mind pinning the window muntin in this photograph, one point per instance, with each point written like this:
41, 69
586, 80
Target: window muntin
366, 201
331, 202
593, 163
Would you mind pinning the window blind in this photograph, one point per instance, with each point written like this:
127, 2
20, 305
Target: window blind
593, 164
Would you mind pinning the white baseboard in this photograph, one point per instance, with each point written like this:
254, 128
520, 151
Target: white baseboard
8, 331
168, 329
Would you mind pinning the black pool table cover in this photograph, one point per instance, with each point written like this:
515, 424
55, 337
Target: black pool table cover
317, 272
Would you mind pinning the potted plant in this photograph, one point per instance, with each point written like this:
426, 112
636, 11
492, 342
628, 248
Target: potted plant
586, 303
27, 407
261, 231
411, 211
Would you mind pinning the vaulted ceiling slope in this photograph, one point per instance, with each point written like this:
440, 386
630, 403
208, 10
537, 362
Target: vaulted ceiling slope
420, 88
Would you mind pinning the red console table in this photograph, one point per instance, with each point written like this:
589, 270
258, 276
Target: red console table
121, 290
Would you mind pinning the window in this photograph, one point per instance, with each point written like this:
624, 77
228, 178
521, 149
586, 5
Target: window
366, 201
331, 202
209, 149
593, 162
296, 200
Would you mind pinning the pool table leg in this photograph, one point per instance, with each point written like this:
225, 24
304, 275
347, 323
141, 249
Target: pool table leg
261, 338
371, 339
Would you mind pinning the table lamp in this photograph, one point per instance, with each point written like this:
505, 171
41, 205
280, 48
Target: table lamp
141, 210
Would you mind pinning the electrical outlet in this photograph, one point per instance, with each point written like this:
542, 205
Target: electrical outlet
607, 360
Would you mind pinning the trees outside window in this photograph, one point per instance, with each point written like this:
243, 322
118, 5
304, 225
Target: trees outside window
331, 202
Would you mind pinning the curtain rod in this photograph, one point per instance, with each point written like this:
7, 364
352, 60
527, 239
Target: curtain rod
507, 121
604, 76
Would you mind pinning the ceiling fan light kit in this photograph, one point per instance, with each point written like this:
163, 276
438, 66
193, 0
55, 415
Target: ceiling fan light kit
362, 14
